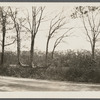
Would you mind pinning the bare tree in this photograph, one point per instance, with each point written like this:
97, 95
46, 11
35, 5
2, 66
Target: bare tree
55, 25
59, 40
34, 25
17, 25
90, 16
4, 22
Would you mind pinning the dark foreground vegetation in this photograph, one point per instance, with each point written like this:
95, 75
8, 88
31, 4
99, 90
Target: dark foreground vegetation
66, 66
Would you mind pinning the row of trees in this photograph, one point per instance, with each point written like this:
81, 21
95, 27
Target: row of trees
9, 20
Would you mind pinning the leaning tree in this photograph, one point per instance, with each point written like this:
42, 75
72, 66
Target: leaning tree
59, 40
56, 24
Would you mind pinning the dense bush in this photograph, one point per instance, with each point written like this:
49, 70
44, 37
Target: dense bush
84, 69
71, 66
83, 74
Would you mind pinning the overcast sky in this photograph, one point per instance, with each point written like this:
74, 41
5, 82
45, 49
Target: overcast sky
76, 41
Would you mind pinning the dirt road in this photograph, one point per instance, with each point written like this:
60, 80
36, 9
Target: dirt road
10, 84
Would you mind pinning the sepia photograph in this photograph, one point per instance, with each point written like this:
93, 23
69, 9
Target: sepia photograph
49, 47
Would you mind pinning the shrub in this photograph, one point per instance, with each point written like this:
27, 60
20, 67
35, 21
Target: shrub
83, 74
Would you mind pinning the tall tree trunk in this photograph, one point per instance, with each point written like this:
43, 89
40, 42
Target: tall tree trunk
18, 48
46, 55
93, 49
33, 34
3, 40
52, 55
32, 51
2, 54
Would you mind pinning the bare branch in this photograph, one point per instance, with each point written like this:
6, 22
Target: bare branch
26, 28
98, 25
28, 20
96, 35
39, 19
93, 20
59, 39
90, 23
10, 43
87, 31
